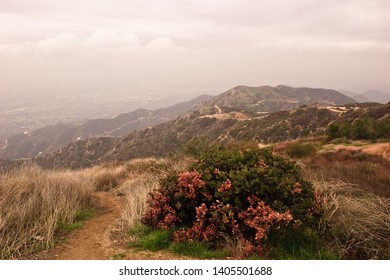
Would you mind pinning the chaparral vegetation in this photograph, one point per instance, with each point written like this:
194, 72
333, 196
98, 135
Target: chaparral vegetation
245, 196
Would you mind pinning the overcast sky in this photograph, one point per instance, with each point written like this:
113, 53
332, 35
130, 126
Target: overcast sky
90, 44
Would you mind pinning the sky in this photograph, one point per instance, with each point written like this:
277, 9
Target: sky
85, 45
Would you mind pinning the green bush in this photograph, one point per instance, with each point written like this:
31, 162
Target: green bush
300, 150
363, 128
246, 195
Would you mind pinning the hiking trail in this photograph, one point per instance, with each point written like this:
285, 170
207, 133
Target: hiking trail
94, 241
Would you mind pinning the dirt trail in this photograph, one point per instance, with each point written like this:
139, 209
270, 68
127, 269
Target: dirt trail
93, 241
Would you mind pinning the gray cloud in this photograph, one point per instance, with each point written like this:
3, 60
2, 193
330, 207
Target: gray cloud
303, 42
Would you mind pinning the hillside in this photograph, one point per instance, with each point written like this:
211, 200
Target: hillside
271, 99
51, 138
167, 138
368, 96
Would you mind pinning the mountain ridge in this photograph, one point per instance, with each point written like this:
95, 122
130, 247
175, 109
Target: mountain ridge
53, 137
368, 96
218, 124
166, 138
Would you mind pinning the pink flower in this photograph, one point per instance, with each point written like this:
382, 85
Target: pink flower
297, 190
225, 186
263, 165
189, 183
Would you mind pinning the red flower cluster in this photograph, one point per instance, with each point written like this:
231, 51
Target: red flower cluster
189, 183
159, 214
297, 188
225, 186
263, 218
199, 231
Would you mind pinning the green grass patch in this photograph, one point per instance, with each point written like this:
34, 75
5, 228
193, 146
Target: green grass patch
156, 240
84, 215
198, 250
139, 230
146, 238
78, 220
304, 246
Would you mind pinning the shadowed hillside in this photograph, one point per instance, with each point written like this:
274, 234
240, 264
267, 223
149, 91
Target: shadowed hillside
51, 138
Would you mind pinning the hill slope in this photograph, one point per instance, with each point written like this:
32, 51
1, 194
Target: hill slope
271, 99
217, 122
369, 96
51, 138
167, 138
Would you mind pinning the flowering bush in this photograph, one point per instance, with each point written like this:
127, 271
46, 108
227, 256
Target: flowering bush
243, 194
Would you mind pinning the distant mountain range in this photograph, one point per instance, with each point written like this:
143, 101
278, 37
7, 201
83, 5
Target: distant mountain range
252, 100
261, 114
368, 96
51, 138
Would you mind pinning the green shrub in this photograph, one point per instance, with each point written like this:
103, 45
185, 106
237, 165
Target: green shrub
363, 128
300, 150
196, 146
246, 195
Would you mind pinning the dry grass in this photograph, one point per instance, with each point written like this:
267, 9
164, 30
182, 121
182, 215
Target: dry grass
144, 175
356, 223
33, 202
367, 172
355, 189
107, 178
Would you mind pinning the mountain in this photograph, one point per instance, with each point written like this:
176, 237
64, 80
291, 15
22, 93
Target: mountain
377, 96
230, 116
271, 99
361, 98
368, 96
51, 138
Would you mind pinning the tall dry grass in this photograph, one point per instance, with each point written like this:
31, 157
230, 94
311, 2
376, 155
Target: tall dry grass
355, 189
105, 178
32, 204
144, 175
367, 172
355, 223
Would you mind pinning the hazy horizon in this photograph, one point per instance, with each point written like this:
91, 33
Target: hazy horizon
70, 47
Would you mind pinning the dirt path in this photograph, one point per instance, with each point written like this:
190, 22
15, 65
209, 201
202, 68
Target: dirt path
93, 241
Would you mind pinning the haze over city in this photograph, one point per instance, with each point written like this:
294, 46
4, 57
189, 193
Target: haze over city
67, 47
